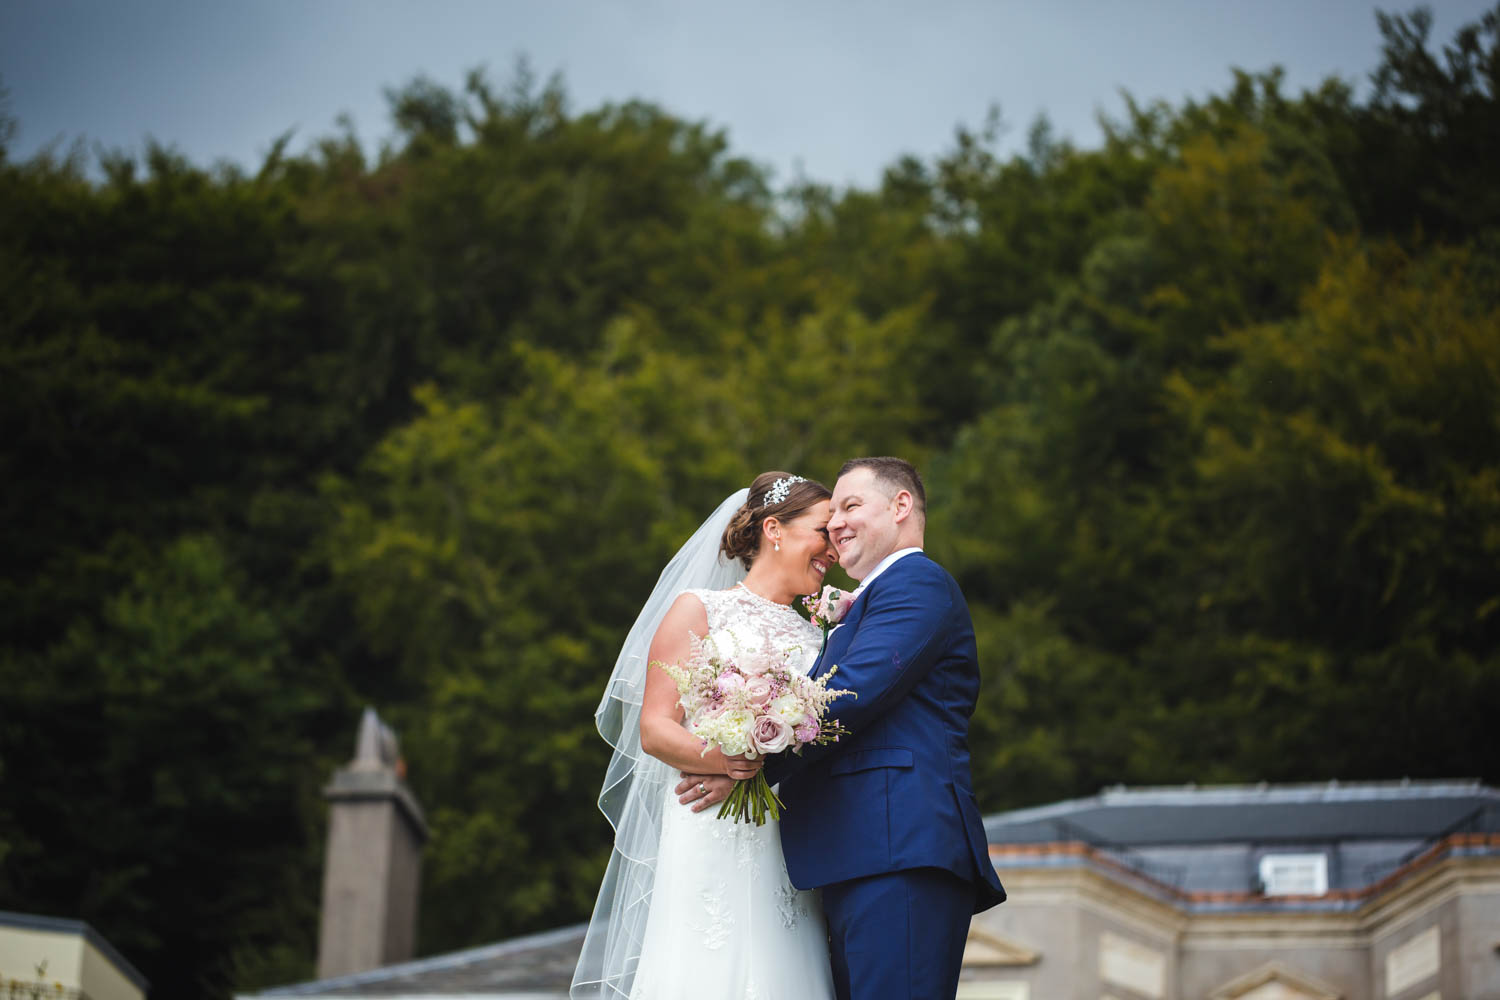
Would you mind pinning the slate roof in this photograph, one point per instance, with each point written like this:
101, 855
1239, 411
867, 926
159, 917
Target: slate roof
1232, 814
535, 967
1199, 841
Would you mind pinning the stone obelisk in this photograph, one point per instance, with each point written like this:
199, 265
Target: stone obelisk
373, 868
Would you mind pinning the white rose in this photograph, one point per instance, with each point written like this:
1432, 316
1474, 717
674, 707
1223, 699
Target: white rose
729, 730
788, 708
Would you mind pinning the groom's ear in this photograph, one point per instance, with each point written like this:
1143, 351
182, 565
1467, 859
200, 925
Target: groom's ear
905, 503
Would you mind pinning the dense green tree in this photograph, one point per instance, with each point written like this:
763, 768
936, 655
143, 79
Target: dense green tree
158, 775
1428, 137
1343, 504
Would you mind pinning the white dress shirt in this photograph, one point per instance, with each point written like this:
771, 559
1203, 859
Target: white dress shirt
882, 566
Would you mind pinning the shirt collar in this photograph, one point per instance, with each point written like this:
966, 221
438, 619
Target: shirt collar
883, 565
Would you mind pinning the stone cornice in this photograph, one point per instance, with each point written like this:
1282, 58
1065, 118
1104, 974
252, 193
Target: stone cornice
1470, 850
1102, 893
1434, 884
1460, 862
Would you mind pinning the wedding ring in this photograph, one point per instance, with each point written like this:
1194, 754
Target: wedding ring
702, 788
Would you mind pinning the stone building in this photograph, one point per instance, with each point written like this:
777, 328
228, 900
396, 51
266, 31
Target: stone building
1372, 891
62, 960
1386, 891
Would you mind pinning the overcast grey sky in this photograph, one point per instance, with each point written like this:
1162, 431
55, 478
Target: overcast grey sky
840, 88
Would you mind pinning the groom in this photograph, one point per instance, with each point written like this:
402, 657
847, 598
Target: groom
885, 821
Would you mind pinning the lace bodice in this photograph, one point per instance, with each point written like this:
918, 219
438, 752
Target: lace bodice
742, 610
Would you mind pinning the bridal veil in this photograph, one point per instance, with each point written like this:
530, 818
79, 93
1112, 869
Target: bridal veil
635, 785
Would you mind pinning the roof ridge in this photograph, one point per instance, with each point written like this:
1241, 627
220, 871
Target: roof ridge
1262, 793
434, 963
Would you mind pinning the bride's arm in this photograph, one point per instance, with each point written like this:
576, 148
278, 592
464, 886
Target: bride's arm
662, 735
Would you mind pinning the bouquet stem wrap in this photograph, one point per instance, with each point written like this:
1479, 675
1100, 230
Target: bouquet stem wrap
752, 800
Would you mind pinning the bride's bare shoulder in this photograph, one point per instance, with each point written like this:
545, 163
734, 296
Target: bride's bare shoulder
689, 611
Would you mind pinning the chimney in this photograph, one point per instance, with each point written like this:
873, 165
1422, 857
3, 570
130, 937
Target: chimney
373, 867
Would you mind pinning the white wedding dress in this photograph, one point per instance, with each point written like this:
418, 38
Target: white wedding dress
724, 920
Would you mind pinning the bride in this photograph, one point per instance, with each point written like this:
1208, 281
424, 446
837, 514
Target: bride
693, 905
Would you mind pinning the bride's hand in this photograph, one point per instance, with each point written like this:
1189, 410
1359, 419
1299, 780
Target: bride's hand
740, 767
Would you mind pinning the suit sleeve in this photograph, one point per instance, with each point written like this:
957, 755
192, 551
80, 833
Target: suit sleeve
899, 639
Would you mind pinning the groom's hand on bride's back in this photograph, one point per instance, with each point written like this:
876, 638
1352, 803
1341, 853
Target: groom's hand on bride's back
703, 790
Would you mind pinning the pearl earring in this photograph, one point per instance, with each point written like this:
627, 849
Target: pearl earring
778, 545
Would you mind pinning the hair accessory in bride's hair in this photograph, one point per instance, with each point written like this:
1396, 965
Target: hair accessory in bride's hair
779, 490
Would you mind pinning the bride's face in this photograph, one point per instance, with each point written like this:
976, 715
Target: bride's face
806, 552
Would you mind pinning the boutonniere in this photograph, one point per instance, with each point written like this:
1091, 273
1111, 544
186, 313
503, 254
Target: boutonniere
827, 609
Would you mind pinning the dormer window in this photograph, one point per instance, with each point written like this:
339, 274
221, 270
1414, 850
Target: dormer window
1294, 874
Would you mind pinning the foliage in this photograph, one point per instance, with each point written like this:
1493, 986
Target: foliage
1207, 415
161, 783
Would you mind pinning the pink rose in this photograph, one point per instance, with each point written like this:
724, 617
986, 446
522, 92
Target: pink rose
770, 734
807, 731
759, 661
758, 689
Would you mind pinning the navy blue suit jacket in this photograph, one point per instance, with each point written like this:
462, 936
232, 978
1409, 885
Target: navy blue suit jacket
896, 793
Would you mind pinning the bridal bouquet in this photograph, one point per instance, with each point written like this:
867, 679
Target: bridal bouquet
747, 698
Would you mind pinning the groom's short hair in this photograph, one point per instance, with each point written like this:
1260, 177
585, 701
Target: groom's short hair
894, 475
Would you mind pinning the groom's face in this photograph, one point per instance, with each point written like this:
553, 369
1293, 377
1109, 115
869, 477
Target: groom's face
863, 527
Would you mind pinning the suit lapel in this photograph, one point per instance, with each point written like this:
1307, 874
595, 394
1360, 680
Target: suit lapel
839, 639
843, 633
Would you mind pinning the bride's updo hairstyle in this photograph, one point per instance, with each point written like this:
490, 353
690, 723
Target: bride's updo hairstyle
773, 494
